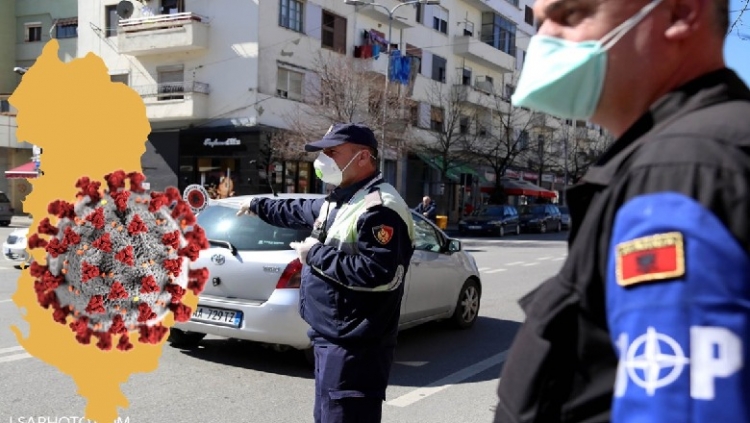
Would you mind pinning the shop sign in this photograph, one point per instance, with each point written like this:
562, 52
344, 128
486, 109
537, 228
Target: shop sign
208, 142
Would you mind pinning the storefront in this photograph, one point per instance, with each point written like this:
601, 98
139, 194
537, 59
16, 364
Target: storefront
233, 161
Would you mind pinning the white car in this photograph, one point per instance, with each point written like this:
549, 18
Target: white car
253, 289
14, 247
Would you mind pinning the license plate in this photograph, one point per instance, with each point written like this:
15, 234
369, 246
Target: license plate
219, 316
475, 227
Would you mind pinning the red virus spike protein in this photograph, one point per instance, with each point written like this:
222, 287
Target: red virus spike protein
118, 261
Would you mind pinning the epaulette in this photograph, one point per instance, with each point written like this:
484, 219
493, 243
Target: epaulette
373, 199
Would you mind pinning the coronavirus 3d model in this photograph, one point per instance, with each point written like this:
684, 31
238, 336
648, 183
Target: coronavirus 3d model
118, 261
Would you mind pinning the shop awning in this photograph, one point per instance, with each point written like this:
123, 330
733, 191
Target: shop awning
518, 187
27, 170
455, 169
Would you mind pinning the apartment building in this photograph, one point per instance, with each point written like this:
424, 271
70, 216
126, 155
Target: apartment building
221, 80
25, 27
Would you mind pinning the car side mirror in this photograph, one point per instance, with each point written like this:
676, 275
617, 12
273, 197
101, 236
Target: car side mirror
454, 245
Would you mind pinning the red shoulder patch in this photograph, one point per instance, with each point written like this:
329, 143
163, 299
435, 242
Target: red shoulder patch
383, 234
652, 258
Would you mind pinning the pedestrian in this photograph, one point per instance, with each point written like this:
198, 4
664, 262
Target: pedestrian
355, 262
648, 319
427, 209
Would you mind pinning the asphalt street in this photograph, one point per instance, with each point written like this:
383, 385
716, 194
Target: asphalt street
441, 375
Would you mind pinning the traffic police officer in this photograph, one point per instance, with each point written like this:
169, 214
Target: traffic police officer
649, 318
352, 285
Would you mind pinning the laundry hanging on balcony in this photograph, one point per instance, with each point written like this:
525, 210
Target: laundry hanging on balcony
400, 68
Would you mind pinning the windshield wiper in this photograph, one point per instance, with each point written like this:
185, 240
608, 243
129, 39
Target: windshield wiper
226, 244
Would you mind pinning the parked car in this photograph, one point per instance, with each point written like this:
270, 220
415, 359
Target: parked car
14, 247
564, 216
6, 210
253, 289
493, 219
540, 218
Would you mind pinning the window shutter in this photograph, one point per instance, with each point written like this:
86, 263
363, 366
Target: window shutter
339, 35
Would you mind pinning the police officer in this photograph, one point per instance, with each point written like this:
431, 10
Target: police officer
356, 259
649, 318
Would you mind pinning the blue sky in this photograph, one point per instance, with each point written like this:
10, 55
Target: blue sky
737, 49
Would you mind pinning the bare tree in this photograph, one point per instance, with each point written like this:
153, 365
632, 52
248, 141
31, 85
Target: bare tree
342, 89
735, 23
502, 138
451, 118
584, 148
544, 152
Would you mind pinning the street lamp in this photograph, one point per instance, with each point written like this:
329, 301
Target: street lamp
388, 55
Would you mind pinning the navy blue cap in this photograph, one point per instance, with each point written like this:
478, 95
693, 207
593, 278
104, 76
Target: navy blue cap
340, 133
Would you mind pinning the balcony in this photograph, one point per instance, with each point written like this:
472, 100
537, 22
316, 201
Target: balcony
482, 53
173, 101
402, 19
469, 95
162, 34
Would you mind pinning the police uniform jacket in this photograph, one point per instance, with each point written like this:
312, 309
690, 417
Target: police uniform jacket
649, 318
336, 296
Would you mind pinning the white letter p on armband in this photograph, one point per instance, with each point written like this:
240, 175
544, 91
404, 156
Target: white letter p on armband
715, 352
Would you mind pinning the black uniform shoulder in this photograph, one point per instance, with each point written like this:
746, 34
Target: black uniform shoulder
714, 136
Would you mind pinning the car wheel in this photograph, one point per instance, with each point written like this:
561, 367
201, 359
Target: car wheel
518, 229
467, 307
559, 226
5, 223
501, 231
543, 228
180, 338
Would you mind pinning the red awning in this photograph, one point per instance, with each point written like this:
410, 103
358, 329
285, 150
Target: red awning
24, 171
516, 187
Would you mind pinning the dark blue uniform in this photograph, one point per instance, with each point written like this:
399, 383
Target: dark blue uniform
353, 332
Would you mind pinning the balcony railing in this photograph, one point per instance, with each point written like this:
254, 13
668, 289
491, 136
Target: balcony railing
171, 90
150, 23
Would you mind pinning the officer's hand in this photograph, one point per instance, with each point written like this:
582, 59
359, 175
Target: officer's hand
303, 248
245, 209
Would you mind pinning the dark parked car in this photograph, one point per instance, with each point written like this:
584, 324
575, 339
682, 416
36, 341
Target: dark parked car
565, 216
540, 218
494, 219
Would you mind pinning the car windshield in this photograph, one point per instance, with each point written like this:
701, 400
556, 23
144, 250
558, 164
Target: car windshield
563, 210
489, 211
4, 198
244, 232
531, 210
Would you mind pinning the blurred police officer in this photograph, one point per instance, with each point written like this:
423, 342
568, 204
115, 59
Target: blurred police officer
356, 260
649, 318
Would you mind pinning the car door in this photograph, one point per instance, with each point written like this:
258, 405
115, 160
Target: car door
431, 275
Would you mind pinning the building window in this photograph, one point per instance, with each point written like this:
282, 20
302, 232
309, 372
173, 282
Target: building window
171, 82
463, 125
469, 29
290, 14
171, 7
509, 89
33, 32
112, 19
420, 13
440, 19
436, 119
438, 68
69, 29
289, 84
529, 16
120, 77
466, 76
499, 32
334, 32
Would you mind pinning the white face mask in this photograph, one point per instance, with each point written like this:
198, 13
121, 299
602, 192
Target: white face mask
328, 171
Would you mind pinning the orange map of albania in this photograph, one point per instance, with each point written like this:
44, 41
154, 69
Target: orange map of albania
98, 308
